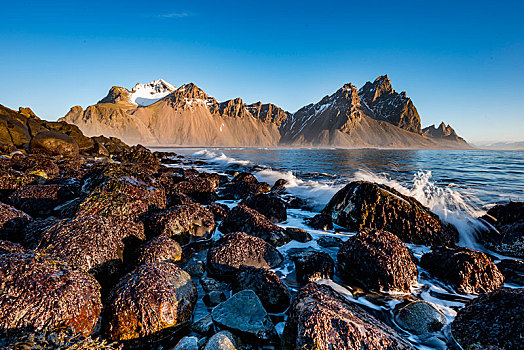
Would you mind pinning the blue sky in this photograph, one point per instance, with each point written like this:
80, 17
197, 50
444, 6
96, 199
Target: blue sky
461, 62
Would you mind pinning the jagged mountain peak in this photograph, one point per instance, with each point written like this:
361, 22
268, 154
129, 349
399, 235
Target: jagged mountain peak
158, 86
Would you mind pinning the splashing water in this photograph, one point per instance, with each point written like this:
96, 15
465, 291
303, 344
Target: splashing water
447, 202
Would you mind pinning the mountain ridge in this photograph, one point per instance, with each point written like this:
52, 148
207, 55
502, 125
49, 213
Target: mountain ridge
373, 116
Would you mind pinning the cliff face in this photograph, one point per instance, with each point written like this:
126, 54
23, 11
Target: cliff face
374, 116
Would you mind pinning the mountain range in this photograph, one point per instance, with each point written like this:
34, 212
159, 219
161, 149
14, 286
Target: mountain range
159, 114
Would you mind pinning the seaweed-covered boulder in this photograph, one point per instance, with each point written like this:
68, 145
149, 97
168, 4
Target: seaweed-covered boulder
184, 223
12, 222
40, 200
39, 293
420, 317
93, 243
468, 270
244, 185
377, 259
271, 291
508, 220
513, 270
269, 205
201, 190
245, 219
320, 317
54, 143
244, 314
138, 155
313, 265
494, 319
219, 211
238, 249
148, 300
363, 204
160, 248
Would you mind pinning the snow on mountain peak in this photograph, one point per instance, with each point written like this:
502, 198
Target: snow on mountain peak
147, 94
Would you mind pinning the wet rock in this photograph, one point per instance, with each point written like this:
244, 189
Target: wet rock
313, 265
200, 190
321, 221
468, 270
159, 249
114, 145
11, 180
513, 270
184, 223
494, 319
34, 230
7, 247
508, 220
64, 296
148, 300
237, 249
363, 204
244, 314
323, 317
269, 205
298, 234
12, 223
224, 340
195, 268
244, 185
54, 143
271, 291
279, 186
40, 200
214, 298
330, 242
244, 219
138, 155
203, 326
187, 343
420, 317
220, 211
377, 259
210, 284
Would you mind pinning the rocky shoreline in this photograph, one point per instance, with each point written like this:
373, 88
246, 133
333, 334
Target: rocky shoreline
106, 246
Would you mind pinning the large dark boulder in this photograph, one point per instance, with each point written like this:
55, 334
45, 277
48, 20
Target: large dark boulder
468, 270
269, 205
54, 143
148, 300
508, 220
12, 222
494, 319
39, 293
40, 200
184, 223
238, 249
158, 249
244, 314
271, 291
377, 259
244, 219
244, 185
319, 317
363, 204
513, 270
313, 265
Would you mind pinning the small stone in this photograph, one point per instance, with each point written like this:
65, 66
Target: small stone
312, 266
210, 284
203, 326
187, 343
195, 268
420, 317
223, 340
214, 298
298, 234
330, 242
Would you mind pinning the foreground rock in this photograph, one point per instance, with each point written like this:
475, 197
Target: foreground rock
184, 223
320, 317
508, 219
39, 293
420, 317
469, 271
244, 314
312, 266
495, 320
363, 204
271, 291
377, 259
54, 143
269, 205
238, 249
148, 300
245, 219
223, 340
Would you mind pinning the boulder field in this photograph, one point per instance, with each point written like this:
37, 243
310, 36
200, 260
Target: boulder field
107, 246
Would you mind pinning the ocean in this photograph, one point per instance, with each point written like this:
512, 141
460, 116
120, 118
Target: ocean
458, 185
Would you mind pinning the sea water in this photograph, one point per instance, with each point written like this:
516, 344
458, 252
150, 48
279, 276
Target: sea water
457, 185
